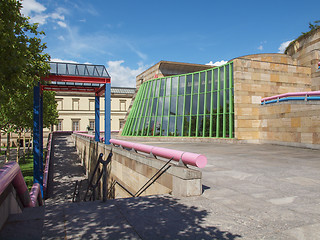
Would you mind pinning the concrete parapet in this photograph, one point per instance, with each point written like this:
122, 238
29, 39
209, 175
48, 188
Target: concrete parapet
133, 170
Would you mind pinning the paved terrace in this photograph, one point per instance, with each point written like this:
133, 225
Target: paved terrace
249, 192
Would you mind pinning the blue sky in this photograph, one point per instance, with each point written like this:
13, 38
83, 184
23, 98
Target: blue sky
130, 36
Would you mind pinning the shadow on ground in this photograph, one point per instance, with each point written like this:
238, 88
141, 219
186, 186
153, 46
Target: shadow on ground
153, 217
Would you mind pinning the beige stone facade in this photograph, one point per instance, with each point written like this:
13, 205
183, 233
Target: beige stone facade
260, 76
76, 111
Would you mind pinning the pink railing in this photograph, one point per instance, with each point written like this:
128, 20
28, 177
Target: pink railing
11, 173
194, 159
46, 169
292, 94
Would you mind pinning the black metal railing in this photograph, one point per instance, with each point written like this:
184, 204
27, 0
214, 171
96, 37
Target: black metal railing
154, 178
92, 187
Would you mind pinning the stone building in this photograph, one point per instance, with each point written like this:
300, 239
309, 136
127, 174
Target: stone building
229, 101
76, 110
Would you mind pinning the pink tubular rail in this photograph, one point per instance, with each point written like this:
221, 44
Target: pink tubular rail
292, 94
11, 173
197, 160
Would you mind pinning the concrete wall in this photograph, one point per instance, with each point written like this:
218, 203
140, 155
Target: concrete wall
291, 123
8, 204
258, 76
133, 170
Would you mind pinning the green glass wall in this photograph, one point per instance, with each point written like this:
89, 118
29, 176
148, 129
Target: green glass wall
197, 104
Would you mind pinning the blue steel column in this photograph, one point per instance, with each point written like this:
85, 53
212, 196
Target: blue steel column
36, 137
97, 119
107, 114
41, 138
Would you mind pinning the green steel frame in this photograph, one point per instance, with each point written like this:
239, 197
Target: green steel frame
206, 110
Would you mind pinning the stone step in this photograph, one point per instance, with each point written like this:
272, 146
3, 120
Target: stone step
26, 225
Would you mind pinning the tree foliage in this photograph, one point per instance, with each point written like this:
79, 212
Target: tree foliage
23, 63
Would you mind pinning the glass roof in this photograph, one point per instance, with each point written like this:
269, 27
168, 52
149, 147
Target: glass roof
75, 69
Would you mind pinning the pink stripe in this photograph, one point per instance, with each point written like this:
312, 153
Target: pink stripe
292, 94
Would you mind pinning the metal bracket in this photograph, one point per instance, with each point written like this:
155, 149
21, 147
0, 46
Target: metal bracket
182, 164
152, 155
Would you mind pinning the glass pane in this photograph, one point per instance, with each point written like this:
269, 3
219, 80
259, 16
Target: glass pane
214, 125
166, 106
215, 79
174, 86
200, 126
146, 124
193, 126
172, 122
202, 81
189, 84
209, 80
164, 129
180, 105
182, 80
215, 102
220, 125
227, 76
151, 128
168, 85
173, 106
195, 82
160, 106
207, 126
221, 77
154, 107
179, 125
201, 104
157, 88
187, 105
186, 126
208, 103
162, 86
194, 104
62, 68
157, 127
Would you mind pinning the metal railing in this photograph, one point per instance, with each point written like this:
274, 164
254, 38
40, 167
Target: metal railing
147, 184
92, 187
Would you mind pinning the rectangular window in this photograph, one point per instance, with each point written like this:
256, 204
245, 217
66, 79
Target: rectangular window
75, 125
91, 104
60, 104
123, 107
91, 125
59, 126
75, 104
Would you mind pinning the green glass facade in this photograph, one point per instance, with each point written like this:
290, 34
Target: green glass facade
198, 104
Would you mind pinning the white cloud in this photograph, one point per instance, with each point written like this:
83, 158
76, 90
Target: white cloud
61, 38
30, 6
216, 64
122, 76
260, 48
283, 46
36, 12
61, 60
62, 24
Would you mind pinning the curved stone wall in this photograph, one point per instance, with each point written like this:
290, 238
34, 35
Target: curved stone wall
306, 50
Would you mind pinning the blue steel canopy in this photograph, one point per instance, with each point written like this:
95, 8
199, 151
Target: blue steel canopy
76, 69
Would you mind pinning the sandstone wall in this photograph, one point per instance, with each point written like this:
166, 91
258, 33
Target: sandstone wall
291, 123
258, 76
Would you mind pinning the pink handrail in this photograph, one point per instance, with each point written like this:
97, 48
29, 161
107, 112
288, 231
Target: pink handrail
46, 169
291, 94
197, 160
11, 173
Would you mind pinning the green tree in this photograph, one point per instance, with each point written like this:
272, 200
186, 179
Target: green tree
23, 63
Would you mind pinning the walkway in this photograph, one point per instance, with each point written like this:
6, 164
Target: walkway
250, 192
